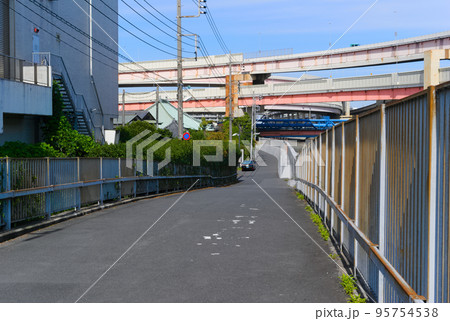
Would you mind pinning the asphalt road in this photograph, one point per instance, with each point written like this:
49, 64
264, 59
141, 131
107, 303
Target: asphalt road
230, 244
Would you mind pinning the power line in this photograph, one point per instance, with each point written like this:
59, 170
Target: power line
101, 12
53, 14
217, 33
132, 24
83, 33
54, 36
172, 28
163, 15
140, 15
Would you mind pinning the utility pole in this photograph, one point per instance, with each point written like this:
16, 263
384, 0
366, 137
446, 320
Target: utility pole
180, 72
251, 130
123, 108
230, 92
180, 61
157, 107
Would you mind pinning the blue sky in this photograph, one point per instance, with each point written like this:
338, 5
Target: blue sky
251, 25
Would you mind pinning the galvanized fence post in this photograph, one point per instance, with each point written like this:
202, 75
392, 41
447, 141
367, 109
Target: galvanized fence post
357, 178
327, 179
432, 196
383, 186
316, 176
333, 177
341, 239
120, 176
135, 175
78, 205
311, 170
101, 178
9, 200
48, 196
320, 173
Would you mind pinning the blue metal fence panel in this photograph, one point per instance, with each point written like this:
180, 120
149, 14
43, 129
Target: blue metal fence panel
407, 139
3, 179
89, 170
110, 169
63, 171
443, 190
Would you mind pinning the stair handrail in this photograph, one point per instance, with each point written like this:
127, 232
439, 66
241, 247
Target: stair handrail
77, 99
99, 105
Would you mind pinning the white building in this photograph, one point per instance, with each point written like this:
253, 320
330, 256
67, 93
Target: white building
71, 41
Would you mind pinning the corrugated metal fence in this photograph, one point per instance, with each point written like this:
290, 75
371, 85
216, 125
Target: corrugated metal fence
37, 188
381, 184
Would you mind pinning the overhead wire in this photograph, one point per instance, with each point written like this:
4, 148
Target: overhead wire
217, 33
131, 23
67, 23
83, 33
140, 15
154, 16
120, 26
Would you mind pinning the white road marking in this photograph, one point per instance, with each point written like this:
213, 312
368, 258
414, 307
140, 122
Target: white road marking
298, 225
135, 242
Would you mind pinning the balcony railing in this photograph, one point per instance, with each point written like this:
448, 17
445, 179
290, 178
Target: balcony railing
24, 71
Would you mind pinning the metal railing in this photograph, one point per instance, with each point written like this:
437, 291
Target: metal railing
24, 71
37, 188
78, 100
381, 184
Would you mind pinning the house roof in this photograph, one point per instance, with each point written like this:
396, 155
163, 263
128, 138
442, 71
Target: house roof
169, 113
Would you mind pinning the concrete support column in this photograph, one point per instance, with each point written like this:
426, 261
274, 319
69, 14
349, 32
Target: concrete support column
432, 60
346, 108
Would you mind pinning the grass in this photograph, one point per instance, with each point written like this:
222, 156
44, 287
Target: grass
356, 298
317, 220
348, 282
300, 196
333, 256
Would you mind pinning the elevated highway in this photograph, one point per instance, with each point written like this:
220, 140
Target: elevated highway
312, 91
211, 71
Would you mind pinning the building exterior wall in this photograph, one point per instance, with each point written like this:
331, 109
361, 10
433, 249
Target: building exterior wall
22, 128
71, 42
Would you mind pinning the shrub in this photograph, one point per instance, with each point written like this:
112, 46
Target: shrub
23, 150
133, 129
108, 150
70, 142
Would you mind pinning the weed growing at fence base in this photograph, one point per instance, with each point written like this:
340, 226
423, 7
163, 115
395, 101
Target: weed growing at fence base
300, 196
348, 282
318, 222
356, 298
333, 256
